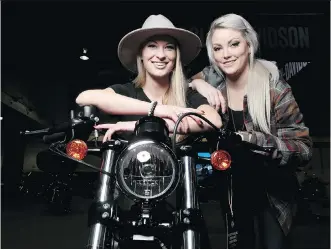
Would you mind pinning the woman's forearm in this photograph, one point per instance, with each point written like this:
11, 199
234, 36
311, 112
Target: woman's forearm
199, 75
211, 114
198, 82
194, 127
110, 102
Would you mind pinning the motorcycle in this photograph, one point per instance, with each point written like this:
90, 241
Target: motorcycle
147, 170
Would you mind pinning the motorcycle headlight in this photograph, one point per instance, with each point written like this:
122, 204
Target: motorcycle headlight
147, 169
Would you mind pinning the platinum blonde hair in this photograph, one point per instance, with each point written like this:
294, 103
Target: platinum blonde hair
261, 72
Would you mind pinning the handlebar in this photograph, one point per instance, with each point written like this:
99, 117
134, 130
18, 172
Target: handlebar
227, 137
63, 127
53, 137
46, 131
84, 115
87, 116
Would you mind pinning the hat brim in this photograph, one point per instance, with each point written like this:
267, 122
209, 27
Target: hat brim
128, 48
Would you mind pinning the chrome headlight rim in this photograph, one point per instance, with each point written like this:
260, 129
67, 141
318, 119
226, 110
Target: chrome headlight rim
165, 193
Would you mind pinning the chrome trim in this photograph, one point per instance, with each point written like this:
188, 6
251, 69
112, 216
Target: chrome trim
174, 177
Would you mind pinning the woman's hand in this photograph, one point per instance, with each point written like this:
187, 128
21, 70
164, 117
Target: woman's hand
183, 127
115, 127
173, 112
213, 95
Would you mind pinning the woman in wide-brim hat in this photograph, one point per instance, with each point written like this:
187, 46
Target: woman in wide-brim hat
156, 52
129, 46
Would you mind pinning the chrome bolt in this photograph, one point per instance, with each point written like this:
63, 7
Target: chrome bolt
106, 206
105, 215
186, 220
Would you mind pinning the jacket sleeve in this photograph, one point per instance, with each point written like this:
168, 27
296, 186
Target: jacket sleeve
211, 76
292, 141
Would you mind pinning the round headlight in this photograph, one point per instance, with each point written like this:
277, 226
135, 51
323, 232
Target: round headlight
147, 170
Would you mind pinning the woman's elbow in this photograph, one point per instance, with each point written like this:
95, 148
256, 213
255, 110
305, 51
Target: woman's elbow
217, 121
87, 97
81, 98
212, 115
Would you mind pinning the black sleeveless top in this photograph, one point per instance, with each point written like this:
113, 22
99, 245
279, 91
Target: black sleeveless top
194, 100
236, 117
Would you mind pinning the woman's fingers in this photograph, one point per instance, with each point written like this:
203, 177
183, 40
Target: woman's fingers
222, 100
103, 126
111, 129
175, 116
211, 100
108, 135
173, 112
181, 111
185, 127
196, 119
186, 110
217, 101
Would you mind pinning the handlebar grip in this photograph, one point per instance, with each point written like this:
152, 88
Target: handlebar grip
46, 131
35, 132
53, 137
60, 128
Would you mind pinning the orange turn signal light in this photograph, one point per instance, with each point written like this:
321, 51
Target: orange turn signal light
77, 149
220, 160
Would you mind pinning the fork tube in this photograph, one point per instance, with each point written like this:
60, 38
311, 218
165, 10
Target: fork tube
97, 235
191, 238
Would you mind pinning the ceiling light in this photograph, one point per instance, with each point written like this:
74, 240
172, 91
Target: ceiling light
84, 55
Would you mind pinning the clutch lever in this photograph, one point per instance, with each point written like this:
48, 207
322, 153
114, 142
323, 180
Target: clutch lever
229, 139
266, 149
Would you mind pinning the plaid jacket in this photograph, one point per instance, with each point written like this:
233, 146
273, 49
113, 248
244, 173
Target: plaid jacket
289, 136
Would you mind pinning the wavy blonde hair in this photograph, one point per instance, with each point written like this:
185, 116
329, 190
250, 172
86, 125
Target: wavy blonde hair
176, 93
261, 72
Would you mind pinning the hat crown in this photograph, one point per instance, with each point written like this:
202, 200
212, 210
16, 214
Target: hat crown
157, 21
129, 46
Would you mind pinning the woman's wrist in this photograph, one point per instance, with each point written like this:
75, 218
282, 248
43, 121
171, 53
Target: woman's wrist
152, 108
191, 84
127, 126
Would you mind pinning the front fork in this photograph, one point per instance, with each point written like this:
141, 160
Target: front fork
190, 205
103, 207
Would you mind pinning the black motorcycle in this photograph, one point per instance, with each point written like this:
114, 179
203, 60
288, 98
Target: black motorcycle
157, 176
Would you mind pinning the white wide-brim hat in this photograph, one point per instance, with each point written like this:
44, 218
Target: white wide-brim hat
128, 48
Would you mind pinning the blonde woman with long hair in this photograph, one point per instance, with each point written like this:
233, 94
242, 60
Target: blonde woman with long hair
156, 53
255, 103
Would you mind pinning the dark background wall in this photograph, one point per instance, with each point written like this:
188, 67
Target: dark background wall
42, 41
41, 72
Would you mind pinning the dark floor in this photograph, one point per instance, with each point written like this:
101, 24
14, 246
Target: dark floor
26, 224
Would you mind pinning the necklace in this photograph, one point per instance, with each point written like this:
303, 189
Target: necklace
233, 122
